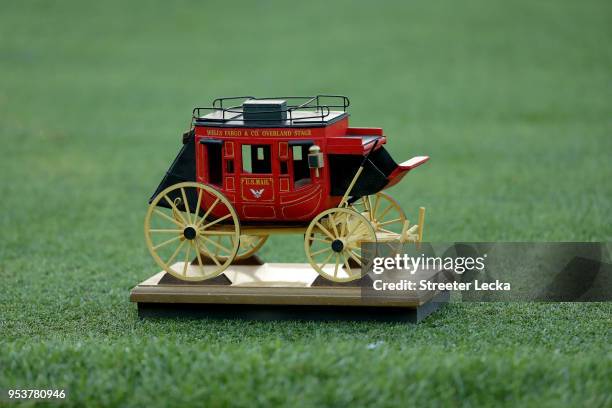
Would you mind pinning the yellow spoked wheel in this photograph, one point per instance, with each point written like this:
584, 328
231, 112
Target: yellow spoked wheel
249, 245
180, 227
333, 242
384, 213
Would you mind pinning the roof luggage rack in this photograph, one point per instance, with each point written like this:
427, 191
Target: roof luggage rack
287, 110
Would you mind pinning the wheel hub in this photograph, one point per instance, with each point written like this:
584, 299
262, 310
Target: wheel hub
337, 245
190, 233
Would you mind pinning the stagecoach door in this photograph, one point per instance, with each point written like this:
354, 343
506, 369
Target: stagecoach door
294, 173
300, 192
257, 192
298, 166
284, 177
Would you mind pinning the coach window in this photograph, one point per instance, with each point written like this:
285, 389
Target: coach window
256, 159
301, 171
213, 159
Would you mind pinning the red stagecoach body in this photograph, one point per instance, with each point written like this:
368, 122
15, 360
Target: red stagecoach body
259, 155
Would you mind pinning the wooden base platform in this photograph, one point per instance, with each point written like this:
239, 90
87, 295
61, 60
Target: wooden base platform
273, 291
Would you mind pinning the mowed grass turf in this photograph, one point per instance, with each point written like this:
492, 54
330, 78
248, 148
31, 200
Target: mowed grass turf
510, 99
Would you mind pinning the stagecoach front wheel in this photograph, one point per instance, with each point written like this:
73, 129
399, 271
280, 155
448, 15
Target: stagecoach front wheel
192, 231
333, 243
384, 213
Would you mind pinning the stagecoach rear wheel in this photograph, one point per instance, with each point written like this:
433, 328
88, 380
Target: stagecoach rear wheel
186, 221
383, 212
333, 243
249, 245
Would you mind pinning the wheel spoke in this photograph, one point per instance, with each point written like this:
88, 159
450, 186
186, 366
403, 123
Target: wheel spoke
376, 202
390, 222
354, 248
355, 258
197, 251
188, 211
326, 260
347, 267
215, 232
250, 243
313, 238
218, 242
166, 230
196, 210
368, 205
203, 245
355, 228
333, 224
385, 211
344, 226
175, 209
217, 245
166, 216
156, 247
215, 260
322, 251
208, 212
325, 231
210, 255
186, 263
361, 203
218, 220
176, 252
246, 243
337, 265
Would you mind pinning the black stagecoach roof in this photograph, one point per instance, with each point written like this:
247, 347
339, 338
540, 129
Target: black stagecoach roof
279, 111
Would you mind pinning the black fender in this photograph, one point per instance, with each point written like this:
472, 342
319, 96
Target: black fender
181, 170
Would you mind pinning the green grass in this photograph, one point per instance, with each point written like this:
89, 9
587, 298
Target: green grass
510, 99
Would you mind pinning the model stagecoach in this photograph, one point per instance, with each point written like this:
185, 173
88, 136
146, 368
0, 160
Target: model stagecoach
250, 167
